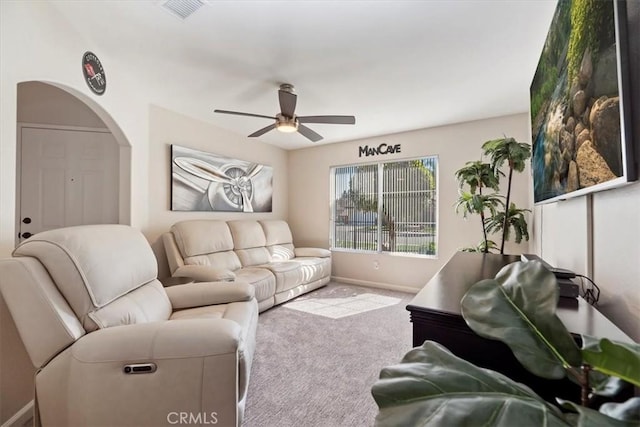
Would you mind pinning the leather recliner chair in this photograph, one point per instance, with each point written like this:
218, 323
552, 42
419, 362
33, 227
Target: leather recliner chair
112, 346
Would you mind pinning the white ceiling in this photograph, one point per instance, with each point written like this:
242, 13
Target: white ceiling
395, 65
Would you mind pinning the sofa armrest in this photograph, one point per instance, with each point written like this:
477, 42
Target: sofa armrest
312, 252
174, 258
208, 293
171, 339
203, 273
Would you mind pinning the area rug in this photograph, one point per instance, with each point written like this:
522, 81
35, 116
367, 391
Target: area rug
337, 307
311, 370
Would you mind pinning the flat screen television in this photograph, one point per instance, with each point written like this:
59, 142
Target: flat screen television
580, 106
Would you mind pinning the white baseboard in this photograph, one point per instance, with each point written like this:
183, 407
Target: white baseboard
375, 285
20, 418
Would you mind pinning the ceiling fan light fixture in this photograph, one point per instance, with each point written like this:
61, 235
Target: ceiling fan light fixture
287, 127
286, 124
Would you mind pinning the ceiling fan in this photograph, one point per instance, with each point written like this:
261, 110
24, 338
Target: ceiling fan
287, 121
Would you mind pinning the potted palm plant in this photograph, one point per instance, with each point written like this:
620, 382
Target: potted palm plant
478, 175
497, 212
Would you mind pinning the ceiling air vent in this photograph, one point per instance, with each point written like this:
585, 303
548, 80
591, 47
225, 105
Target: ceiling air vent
182, 8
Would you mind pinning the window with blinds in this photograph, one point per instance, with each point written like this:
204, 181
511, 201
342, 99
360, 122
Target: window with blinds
386, 207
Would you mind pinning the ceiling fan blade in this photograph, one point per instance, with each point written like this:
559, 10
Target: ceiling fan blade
287, 102
237, 113
308, 133
262, 131
337, 120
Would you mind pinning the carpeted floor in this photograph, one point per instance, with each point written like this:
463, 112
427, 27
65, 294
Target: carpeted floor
311, 370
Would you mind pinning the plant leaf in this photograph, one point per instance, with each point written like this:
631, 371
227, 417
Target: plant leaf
507, 149
613, 358
477, 174
625, 411
591, 418
604, 385
518, 308
432, 387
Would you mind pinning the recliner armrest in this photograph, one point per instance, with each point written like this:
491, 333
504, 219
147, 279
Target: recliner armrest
204, 359
173, 339
312, 252
208, 293
203, 273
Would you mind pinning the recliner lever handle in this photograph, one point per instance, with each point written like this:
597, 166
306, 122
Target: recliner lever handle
140, 368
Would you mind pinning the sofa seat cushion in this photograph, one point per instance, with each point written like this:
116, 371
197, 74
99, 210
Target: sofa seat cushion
312, 252
313, 269
288, 274
262, 280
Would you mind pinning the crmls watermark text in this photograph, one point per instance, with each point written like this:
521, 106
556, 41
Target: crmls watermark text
380, 149
197, 418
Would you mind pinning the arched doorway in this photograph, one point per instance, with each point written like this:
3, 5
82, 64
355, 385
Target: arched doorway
73, 161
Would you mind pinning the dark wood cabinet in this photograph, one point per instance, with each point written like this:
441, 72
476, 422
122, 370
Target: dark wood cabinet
435, 315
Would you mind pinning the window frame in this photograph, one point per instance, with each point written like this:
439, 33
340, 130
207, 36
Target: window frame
380, 190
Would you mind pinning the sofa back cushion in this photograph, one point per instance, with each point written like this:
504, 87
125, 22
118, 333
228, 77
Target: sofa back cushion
93, 266
247, 234
249, 242
202, 237
206, 242
279, 240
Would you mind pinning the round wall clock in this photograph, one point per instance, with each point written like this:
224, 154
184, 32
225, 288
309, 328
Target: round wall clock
94, 73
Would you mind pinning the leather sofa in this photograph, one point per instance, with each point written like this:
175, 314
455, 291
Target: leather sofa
260, 253
112, 346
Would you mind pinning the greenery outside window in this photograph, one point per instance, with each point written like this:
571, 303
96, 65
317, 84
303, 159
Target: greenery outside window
385, 207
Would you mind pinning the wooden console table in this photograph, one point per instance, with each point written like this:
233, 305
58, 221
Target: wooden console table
435, 314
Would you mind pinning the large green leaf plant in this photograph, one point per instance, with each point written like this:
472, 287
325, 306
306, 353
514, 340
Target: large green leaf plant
432, 387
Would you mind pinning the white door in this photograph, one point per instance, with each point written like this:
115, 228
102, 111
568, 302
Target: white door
68, 177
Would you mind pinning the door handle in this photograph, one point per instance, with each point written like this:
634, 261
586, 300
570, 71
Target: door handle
26, 235
27, 220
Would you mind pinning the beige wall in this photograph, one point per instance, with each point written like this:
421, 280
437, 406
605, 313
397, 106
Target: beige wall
37, 103
598, 235
454, 145
166, 128
45, 104
33, 34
